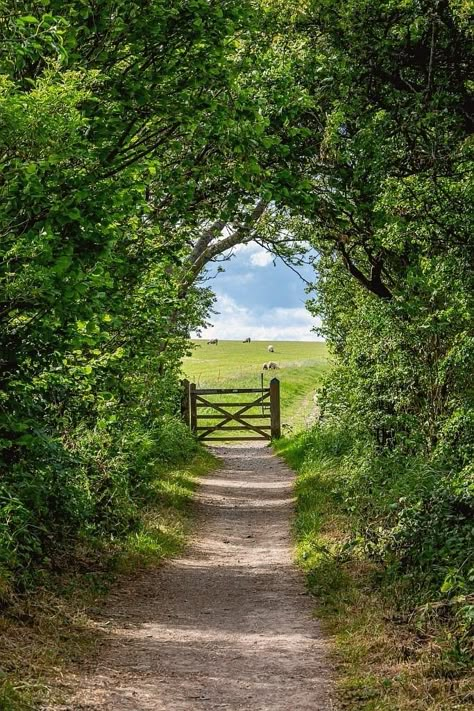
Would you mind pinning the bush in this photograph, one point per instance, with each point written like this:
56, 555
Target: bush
410, 515
90, 489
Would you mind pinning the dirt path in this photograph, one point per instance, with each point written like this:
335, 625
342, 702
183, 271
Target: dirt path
228, 626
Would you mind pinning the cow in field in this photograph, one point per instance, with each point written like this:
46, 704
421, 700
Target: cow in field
247, 340
213, 342
270, 366
270, 349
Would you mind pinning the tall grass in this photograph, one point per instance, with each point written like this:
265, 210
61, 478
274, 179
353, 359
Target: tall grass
392, 652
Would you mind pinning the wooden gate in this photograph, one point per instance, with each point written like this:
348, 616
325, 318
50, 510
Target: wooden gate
255, 419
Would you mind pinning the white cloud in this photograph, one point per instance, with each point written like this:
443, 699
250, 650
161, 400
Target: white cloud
246, 248
235, 321
253, 254
262, 258
298, 313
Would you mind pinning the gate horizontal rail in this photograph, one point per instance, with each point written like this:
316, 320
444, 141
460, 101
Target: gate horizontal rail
233, 439
227, 391
247, 417
223, 428
224, 404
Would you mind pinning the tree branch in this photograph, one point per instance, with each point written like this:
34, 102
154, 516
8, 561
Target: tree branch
374, 283
204, 250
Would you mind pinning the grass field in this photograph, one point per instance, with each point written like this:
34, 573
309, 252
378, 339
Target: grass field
301, 367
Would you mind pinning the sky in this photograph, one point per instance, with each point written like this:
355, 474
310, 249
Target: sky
261, 300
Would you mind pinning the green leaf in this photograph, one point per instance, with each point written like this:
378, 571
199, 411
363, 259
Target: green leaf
28, 18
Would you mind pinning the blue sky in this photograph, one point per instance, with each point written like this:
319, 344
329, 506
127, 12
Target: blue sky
259, 299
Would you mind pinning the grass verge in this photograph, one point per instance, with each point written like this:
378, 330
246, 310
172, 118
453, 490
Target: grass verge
45, 631
385, 660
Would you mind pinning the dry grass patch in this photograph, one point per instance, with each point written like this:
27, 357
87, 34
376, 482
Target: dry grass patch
386, 662
40, 635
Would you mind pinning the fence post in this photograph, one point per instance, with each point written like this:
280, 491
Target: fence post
275, 408
185, 401
192, 408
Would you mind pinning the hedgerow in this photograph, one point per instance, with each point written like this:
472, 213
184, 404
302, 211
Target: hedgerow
140, 143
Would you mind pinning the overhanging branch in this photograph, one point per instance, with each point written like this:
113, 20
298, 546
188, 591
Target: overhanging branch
374, 283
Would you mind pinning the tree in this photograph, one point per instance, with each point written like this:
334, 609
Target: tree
115, 120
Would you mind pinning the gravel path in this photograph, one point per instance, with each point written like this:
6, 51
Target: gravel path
228, 625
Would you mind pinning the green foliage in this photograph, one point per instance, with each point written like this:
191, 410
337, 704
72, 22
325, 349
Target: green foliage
111, 135
375, 561
131, 135
408, 480
405, 512
388, 209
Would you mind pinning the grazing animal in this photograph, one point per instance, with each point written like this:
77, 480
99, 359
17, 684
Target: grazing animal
247, 340
270, 349
213, 342
270, 366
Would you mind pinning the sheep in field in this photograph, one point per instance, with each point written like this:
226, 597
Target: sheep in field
247, 340
270, 349
270, 366
213, 342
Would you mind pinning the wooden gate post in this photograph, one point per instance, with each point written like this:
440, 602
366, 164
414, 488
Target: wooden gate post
275, 408
185, 410
192, 408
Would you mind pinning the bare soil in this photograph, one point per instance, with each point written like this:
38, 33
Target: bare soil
227, 626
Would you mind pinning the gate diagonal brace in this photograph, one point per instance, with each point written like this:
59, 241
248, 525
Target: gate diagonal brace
229, 416
233, 416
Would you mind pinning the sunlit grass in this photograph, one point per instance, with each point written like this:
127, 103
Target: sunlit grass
164, 518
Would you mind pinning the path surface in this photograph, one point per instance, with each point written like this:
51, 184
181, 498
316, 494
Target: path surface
227, 626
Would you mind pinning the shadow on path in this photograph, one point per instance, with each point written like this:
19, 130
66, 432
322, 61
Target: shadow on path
227, 626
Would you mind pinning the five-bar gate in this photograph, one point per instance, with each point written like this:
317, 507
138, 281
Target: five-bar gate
255, 416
